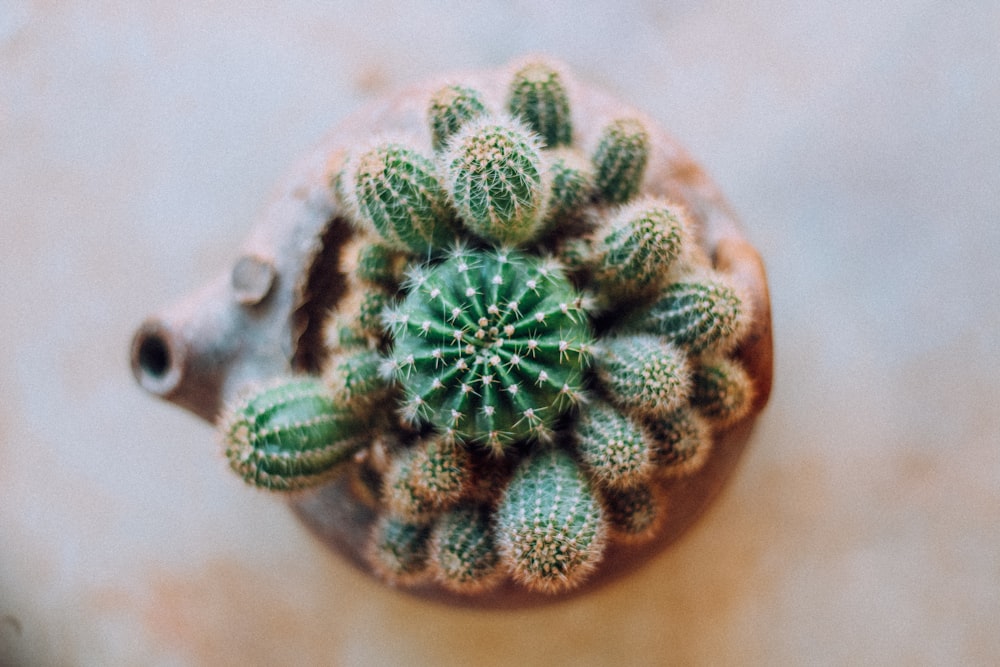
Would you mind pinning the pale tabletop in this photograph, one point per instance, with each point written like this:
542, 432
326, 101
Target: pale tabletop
860, 144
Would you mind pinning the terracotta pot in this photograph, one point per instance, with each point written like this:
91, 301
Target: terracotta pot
262, 317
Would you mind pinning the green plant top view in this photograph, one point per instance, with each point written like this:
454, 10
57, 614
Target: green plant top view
531, 348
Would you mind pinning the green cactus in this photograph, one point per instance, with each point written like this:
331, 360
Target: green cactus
571, 184
494, 173
634, 256
428, 477
721, 390
525, 351
538, 97
679, 442
633, 514
697, 315
380, 266
288, 435
489, 346
643, 374
620, 159
451, 107
613, 447
396, 192
464, 552
354, 379
399, 549
549, 523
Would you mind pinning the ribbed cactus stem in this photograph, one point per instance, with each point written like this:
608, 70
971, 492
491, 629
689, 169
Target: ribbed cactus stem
380, 266
722, 390
697, 315
633, 514
288, 435
643, 374
450, 108
538, 97
464, 552
354, 379
613, 446
426, 478
494, 173
679, 442
635, 254
620, 159
399, 549
397, 192
571, 184
549, 523
489, 346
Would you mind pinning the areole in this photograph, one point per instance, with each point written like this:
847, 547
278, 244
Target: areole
264, 317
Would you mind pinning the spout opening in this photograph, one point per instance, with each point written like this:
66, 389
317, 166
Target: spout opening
157, 360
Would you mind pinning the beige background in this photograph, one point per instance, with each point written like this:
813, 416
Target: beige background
859, 141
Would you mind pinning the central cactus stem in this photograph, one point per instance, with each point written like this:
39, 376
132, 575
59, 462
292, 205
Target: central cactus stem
490, 346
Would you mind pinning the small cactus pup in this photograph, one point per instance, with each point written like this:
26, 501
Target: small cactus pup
538, 97
494, 171
549, 524
513, 345
489, 346
289, 435
396, 193
451, 107
620, 159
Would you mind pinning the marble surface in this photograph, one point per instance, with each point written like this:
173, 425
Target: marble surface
859, 141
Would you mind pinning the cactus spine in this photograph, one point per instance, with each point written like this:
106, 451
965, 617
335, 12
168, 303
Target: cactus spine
494, 172
538, 97
288, 435
549, 523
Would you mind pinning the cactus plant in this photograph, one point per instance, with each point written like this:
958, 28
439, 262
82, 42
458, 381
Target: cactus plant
538, 97
493, 168
696, 314
620, 159
463, 550
643, 374
288, 435
451, 107
489, 346
549, 523
396, 192
527, 352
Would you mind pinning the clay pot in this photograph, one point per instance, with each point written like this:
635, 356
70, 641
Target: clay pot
262, 317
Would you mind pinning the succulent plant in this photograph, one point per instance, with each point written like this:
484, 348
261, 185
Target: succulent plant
528, 352
549, 523
451, 107
538, 97
489, 346
620, 159
396, 192
493, 168
289, 434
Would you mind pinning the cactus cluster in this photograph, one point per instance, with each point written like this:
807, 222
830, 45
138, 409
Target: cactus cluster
525, 336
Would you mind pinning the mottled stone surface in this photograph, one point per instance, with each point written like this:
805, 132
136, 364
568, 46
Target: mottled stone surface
858, 141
